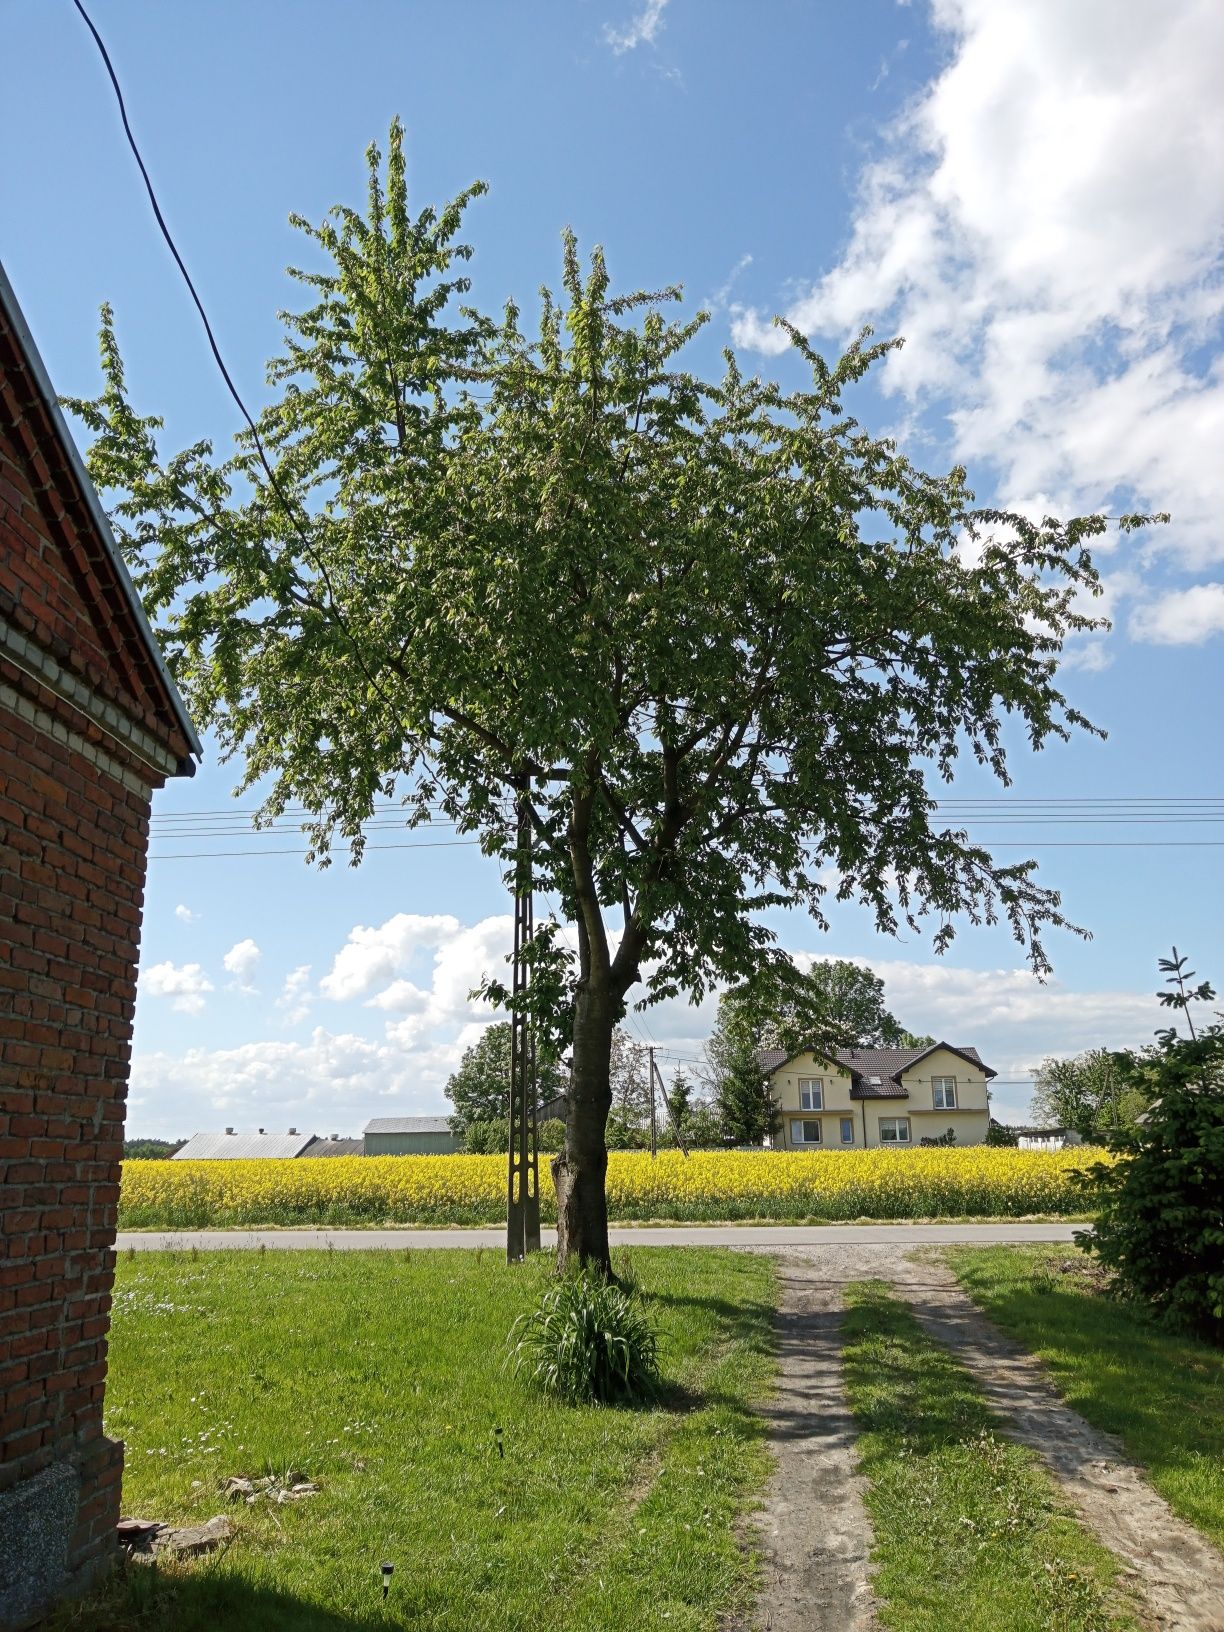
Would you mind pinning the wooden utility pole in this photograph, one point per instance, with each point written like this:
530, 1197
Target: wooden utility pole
654, 1125
657, 1076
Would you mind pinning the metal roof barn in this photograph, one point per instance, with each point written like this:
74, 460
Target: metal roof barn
410, 1136
213, 1147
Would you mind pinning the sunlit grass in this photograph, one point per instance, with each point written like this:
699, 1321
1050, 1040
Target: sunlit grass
381, 1376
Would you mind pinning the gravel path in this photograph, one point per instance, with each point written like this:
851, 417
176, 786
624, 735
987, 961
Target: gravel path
816, 1576
1174, 1568
815, 1534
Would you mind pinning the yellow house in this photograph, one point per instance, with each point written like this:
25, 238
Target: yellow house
863, 1097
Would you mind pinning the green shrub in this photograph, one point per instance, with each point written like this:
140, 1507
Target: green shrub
587, 1341
1161, 1226
551, 1135
486, 1138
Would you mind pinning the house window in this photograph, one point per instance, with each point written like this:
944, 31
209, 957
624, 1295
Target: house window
943, 1090
847, 1130
894, 1130
805, 1133
811, 1094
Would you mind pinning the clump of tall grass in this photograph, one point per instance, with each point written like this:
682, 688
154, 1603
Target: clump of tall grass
587, 1341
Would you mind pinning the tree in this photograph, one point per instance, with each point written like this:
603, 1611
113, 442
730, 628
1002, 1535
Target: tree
629, 1081
911, 1039
1087, 1093
150, 1150
679, 1107
735, 1077
705, 1131
833, 1004
708, 637
480, 1088
1161, 1222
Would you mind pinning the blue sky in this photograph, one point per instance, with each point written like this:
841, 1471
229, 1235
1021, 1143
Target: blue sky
1028, 191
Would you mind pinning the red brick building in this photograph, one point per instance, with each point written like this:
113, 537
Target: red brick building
90, 724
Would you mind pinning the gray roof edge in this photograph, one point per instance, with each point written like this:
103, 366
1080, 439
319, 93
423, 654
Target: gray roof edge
407, 1124
970, 1056
38, 371
973, 1058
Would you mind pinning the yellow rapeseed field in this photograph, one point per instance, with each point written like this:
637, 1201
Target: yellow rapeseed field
785, 1185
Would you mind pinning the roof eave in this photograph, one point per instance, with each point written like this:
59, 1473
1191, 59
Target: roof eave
89, 495
978, 1065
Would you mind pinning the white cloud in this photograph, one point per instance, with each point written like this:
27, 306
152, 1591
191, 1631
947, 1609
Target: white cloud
296, 997
1044, 228
1184, 617
375, 963
400, 1060
642, 28
719, 299
185, 984
374, 954
185, 915
331, 1084
241, 961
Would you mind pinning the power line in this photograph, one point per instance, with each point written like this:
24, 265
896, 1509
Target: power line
209, 855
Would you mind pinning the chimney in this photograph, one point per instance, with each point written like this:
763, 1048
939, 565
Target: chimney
229, 1130
335, 1136
261, 1130
292, 1130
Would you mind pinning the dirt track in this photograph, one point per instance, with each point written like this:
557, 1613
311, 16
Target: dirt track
815, 1532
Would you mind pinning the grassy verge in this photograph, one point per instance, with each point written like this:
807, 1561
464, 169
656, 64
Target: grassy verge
1162, 1395
380, 1377
970, 1531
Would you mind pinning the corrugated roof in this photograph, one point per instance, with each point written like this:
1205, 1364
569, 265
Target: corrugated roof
408, 1124
334, 1147
885, 1063
214, 1147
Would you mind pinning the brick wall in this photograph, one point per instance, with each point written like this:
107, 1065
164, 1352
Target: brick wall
84, 740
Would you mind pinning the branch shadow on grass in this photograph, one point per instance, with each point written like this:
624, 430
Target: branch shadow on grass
148, 1597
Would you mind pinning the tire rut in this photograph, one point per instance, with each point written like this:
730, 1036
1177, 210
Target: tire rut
1174, 1569
814, 1529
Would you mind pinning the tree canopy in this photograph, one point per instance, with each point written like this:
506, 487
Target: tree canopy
713, 638
480, 1088
1160, 1227
1090, 1092
834, 1003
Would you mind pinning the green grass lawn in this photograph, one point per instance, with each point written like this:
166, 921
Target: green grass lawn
970, 1531
380, 1376
1161, 1394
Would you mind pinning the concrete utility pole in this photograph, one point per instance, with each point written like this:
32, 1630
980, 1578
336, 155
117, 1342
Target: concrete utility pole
523, 1178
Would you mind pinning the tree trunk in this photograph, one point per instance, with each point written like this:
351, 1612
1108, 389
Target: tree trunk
581, 1168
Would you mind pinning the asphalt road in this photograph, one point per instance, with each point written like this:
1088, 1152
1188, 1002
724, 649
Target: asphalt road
679, 1235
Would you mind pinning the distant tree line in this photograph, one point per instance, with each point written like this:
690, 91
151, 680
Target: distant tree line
150, 1150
